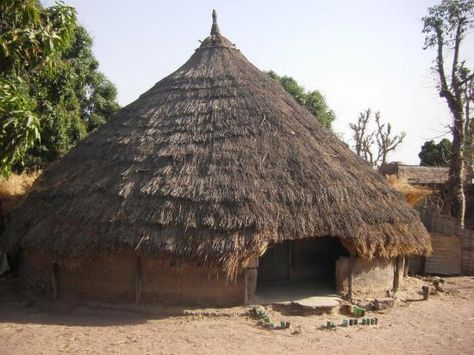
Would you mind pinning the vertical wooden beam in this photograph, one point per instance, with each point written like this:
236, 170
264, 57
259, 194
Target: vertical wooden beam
246, 287
406, 266
290, 259
396, 276
138, 280
55, 281
350, 276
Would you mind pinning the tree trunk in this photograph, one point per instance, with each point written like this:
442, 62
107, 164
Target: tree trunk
456, 169
469, 133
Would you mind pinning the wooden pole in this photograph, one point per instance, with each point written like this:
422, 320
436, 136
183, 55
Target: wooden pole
246, 287
396, 276
55, 281
406, 266
350, 276
138, 280
290, 259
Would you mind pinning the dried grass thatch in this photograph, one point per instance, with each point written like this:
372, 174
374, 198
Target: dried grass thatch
15, 187
212, 164
413, 194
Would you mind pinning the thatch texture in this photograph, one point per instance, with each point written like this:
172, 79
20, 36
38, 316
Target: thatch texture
414, 194
14, 188
212, 164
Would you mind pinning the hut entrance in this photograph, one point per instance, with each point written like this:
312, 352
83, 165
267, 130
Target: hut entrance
299, 268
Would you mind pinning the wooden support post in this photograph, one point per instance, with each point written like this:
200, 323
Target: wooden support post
55, 281
396, 276
406, 266
246, 287
350, 276
426, 292
290, 259
138, 280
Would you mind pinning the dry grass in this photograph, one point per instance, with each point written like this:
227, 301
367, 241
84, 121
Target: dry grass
413, 194
214, 163
15, 187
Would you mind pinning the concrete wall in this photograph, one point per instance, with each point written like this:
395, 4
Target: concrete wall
114, 279
370, 277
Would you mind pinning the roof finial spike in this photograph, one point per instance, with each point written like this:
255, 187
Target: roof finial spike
215, 27
214, 17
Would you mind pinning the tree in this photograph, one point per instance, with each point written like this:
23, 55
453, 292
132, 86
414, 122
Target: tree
433, 154
313, 101
50, 99
31, 39
445, 28
71, 102
375, 145
468, 95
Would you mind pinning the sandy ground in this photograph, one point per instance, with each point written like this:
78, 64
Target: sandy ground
442, 325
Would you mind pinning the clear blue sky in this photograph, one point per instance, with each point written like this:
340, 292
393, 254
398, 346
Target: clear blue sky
359, 54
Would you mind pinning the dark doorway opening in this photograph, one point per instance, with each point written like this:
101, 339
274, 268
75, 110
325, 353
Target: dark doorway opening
299, 268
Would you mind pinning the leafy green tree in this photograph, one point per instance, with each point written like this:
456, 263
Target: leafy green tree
435, 154
52, 94
31, 39
72, 102
313, 101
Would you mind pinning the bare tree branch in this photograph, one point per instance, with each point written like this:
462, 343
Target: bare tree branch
374, 146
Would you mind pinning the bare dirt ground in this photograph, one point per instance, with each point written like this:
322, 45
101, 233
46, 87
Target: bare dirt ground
442, 325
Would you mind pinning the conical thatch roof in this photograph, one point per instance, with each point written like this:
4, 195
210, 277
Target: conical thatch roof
213, 163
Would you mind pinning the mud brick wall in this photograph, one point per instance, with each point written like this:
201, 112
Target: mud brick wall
102, 278
186, 284
417, 264
114, 279
467, 251
453, 248
370, 277
423, 174
446, 257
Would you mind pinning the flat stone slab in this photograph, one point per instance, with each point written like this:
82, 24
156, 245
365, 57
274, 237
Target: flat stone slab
314, 305
298, 297
315, 301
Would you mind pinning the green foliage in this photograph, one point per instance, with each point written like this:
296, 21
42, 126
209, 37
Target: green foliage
31, 36
433, 154
72, 102
19, 125
51, 86
313, 101
451, 19
31, 39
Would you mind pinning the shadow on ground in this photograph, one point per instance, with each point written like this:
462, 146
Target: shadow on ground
24, 306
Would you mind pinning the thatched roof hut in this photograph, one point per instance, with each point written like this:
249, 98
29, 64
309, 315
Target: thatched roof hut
213, 164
